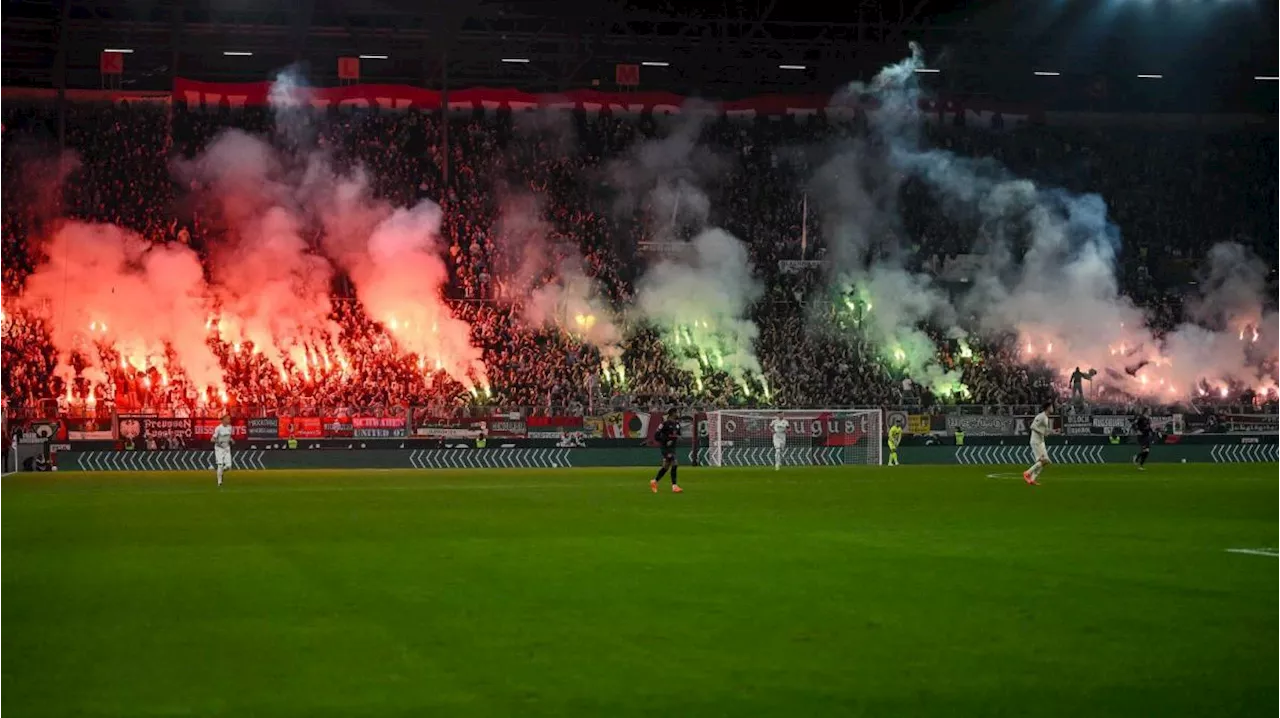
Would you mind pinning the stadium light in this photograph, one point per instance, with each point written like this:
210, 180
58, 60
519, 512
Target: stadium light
791, 67
1046, 73
519, 60
1267, 78
121, 50
1151, 77
928, 70
237, 53
373, 57
655, 63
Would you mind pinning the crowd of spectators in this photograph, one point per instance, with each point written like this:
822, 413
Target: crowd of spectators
1171, 191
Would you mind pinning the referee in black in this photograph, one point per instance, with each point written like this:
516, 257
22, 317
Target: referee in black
1142, 425
666, 436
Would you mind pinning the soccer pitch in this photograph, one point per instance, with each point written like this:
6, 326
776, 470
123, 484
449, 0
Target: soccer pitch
907, 591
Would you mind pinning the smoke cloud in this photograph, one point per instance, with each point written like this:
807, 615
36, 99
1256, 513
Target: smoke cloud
857, 189
103, 286
272, 287
546, 278
700, 302
700, 296
1048, 270
283, 225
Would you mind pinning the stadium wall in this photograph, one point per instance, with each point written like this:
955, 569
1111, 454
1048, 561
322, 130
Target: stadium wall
1231, 450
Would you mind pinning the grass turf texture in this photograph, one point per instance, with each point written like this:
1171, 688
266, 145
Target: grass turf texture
859, 591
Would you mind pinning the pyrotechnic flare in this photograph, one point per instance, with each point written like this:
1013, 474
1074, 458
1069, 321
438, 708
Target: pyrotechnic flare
394, 259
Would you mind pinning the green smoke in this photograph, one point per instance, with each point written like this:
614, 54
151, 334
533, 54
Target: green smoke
886, 308
709, 345
699, 300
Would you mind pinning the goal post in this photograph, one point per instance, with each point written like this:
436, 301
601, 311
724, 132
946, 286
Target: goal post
814, 437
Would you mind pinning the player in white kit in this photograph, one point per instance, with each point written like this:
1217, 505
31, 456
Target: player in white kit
1040, 428
779, 427
222, 447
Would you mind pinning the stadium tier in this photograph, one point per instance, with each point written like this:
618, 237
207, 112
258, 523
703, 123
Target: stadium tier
187, 257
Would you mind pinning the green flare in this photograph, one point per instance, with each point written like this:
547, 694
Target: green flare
706, 346
901, 337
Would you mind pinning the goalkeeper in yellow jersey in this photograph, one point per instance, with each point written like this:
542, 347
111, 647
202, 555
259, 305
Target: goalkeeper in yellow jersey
895, 438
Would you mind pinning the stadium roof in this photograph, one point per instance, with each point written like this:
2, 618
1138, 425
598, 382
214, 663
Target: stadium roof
1089, 54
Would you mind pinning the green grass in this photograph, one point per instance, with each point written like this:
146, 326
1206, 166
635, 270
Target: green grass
872, 591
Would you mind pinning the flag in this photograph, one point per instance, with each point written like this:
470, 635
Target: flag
804, 225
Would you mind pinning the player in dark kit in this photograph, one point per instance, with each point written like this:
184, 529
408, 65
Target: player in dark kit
1142, 425
666, 436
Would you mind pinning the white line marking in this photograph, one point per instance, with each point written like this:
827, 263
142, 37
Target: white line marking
1004, 476
1256, 551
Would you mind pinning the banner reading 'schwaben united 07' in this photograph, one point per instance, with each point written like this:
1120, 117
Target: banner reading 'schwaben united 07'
378, 427
233, 95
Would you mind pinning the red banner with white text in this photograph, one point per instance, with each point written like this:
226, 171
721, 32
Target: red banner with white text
202, 428
233, 95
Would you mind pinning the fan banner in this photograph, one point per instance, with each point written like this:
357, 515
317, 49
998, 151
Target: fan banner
202, 428
266, 427
338, 427
983, 424
149, 426
470, 428
378, 427
234, 95
88, 429
1212, 423
300, 427
919, 423
823, 428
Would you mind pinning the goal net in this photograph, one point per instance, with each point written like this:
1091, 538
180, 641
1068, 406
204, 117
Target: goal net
812, 437
24, 456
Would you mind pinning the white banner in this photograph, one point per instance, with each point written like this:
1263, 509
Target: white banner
795, 266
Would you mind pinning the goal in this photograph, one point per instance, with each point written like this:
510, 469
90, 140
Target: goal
24, 456
814, 437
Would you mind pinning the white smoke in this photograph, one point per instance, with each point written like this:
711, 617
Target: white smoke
699, 296
1048, 266
857, 189
547, 278
573, 303
700, 301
